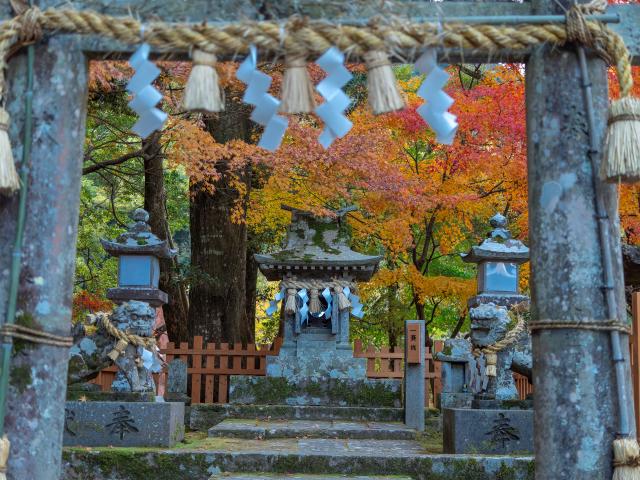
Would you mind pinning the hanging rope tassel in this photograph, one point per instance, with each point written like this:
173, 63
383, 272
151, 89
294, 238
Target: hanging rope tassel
343, 301
626, 459
492, 361
5, 446
314, 301
297, 89
621, 161
291, 306
202, 92
384, 95
9, 180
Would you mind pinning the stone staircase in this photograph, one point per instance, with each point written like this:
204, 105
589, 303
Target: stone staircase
313, 446
297, 442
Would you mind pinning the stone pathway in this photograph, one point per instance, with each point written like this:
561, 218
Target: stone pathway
261, 429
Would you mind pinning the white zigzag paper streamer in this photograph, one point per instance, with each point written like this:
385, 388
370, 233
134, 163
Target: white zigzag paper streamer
356, 306
336, 125
266, 110
145, 96
304, 309
437, 102
273, 304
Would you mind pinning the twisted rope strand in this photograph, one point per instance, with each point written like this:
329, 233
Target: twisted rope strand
315, 37
138, 341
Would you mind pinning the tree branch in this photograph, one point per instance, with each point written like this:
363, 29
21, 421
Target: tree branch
109, 163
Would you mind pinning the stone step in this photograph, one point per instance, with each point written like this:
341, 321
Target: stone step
282, 456
295, 476
266, 429
203, 416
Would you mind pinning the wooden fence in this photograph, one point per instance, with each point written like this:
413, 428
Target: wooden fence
209, 367
388, 362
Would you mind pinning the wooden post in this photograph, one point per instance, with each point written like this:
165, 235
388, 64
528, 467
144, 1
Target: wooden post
35, 410
575, 390
634, 350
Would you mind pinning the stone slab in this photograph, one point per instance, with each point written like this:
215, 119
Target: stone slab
309, 391
99, 396
123, 424
487, 431
268, 476
203, 416
266, 429
455, 400
309, 456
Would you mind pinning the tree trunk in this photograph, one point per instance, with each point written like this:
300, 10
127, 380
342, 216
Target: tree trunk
155, 202
219, 246
251, 279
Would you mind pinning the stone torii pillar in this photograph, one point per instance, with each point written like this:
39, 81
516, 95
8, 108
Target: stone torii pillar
575, 403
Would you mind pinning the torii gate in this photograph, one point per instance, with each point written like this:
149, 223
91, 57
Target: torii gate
575, 418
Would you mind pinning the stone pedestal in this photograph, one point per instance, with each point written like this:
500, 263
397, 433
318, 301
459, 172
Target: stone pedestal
123, 424
487, 431
312, 368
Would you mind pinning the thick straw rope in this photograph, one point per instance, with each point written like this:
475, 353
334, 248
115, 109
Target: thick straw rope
130, 338
596, 325
316, 284
35, 336
312, 38
509, 339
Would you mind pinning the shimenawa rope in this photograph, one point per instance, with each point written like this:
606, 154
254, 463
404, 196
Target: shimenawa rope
35, 336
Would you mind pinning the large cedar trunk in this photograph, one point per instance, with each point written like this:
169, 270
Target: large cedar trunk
219, 246
155, 202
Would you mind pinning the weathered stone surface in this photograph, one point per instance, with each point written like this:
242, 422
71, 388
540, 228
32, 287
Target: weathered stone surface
204, 416
319, 456
123, 424
99, 396
177, 376
414, 383
328, 392
487, 431
245, 428
455, 400
575, 400
35, 399
90, 352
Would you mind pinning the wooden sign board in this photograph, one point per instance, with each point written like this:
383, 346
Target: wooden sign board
413, 343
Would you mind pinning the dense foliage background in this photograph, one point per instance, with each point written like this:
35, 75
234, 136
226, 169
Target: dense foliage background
216, 197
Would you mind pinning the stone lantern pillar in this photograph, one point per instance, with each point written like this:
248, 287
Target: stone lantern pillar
318, 273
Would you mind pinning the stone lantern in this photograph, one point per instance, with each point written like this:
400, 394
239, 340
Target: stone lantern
318, 272
498, 258
138, 252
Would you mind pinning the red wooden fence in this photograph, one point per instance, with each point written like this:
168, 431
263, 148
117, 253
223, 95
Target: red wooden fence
209, 367
388, 362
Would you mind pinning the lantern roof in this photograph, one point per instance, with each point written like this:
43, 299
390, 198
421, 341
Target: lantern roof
499, 246
317, 246
138, 240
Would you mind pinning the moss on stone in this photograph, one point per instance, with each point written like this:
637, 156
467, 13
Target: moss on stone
320, 227
20, 377
25, 319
